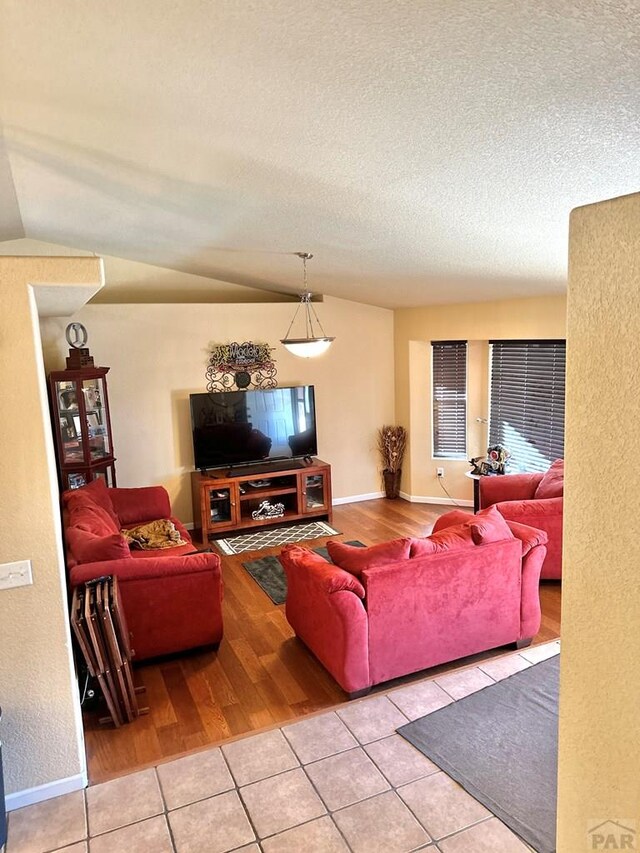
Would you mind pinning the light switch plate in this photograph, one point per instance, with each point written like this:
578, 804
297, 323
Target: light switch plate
15, 574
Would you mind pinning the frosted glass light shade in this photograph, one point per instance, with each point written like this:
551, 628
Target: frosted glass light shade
307, 347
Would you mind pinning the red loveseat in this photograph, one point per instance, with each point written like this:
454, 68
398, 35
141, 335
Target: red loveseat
407, 605
535, 500
172, 598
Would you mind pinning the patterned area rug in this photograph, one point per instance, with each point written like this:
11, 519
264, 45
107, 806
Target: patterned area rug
274, 537
268, 573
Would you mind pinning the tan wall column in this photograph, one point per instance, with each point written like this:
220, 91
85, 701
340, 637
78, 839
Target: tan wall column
599, 770
40, 729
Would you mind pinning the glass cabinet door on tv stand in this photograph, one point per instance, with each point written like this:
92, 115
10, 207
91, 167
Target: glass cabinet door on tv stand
315, 491
82, 426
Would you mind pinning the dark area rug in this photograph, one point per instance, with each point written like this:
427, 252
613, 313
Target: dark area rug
501, 745
269, 574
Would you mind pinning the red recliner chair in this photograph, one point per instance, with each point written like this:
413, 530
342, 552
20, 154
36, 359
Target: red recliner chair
535, 500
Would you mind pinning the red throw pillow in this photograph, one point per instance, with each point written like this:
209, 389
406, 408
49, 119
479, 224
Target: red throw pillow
449, 539
92, 518
489, 526
95, 492
88, 548
552, 484
356, 560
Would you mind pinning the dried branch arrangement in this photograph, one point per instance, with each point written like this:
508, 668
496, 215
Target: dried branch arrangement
392, 443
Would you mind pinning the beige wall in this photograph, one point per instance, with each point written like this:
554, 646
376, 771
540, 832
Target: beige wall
40, 725
157, 355
600, 665
415, 328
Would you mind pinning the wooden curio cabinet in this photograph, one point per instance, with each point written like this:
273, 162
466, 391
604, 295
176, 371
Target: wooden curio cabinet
82, 426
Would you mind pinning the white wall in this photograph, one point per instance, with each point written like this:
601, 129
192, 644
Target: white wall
158, 354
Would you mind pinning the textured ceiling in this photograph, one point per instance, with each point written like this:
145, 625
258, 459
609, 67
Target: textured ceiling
425, 152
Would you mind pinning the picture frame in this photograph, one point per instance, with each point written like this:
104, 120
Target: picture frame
93, 425
91, 397
67, 399
76, 481
67, 431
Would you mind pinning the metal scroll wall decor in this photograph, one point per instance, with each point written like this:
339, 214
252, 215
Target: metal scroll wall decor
237, 366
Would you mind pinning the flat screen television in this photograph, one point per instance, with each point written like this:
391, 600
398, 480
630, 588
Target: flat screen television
244, 427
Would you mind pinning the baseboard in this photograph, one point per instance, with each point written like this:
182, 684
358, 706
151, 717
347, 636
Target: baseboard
188, 525
352, 499
45, 792
444, 501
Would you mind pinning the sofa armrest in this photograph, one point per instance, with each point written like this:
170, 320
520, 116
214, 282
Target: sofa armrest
326, 611
135, 506
152, 568
170, 603
508, 487
524, 511
530, 610
529, 536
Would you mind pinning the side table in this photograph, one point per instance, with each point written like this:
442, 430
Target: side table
476, 489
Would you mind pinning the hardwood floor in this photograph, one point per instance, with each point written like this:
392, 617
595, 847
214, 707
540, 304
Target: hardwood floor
261, 675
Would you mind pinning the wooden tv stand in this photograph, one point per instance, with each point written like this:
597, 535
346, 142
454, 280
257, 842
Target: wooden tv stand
224, 500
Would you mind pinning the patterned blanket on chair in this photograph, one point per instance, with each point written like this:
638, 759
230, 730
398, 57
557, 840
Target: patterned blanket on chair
153, 535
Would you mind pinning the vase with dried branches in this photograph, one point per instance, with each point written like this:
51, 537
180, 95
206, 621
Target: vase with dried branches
392, 443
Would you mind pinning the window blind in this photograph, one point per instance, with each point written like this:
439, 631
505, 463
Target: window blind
526, 412
449, 372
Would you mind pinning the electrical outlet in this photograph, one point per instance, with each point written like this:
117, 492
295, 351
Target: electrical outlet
440, 472
15, 574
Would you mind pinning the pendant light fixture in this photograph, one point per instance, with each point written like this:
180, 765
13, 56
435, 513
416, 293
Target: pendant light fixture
312, 344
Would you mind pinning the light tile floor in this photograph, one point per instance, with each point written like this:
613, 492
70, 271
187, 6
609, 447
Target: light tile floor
336, 782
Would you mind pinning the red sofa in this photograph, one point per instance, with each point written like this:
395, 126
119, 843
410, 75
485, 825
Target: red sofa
382, 612
172, 598
535, 500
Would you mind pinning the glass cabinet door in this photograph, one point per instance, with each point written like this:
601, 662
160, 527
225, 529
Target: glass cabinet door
69, 422
97, 421
222, 505
314, 492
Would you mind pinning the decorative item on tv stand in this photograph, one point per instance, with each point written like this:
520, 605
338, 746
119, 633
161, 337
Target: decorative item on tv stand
493, 463
80, 416
392, 443
268, 510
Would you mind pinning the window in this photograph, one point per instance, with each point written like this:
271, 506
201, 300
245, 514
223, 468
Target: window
449, 372
526, 413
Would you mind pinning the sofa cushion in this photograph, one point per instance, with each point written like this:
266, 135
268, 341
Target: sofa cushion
489, 526
331, 578
355, 560
96, 492
86, 547
552, 483
92, 518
